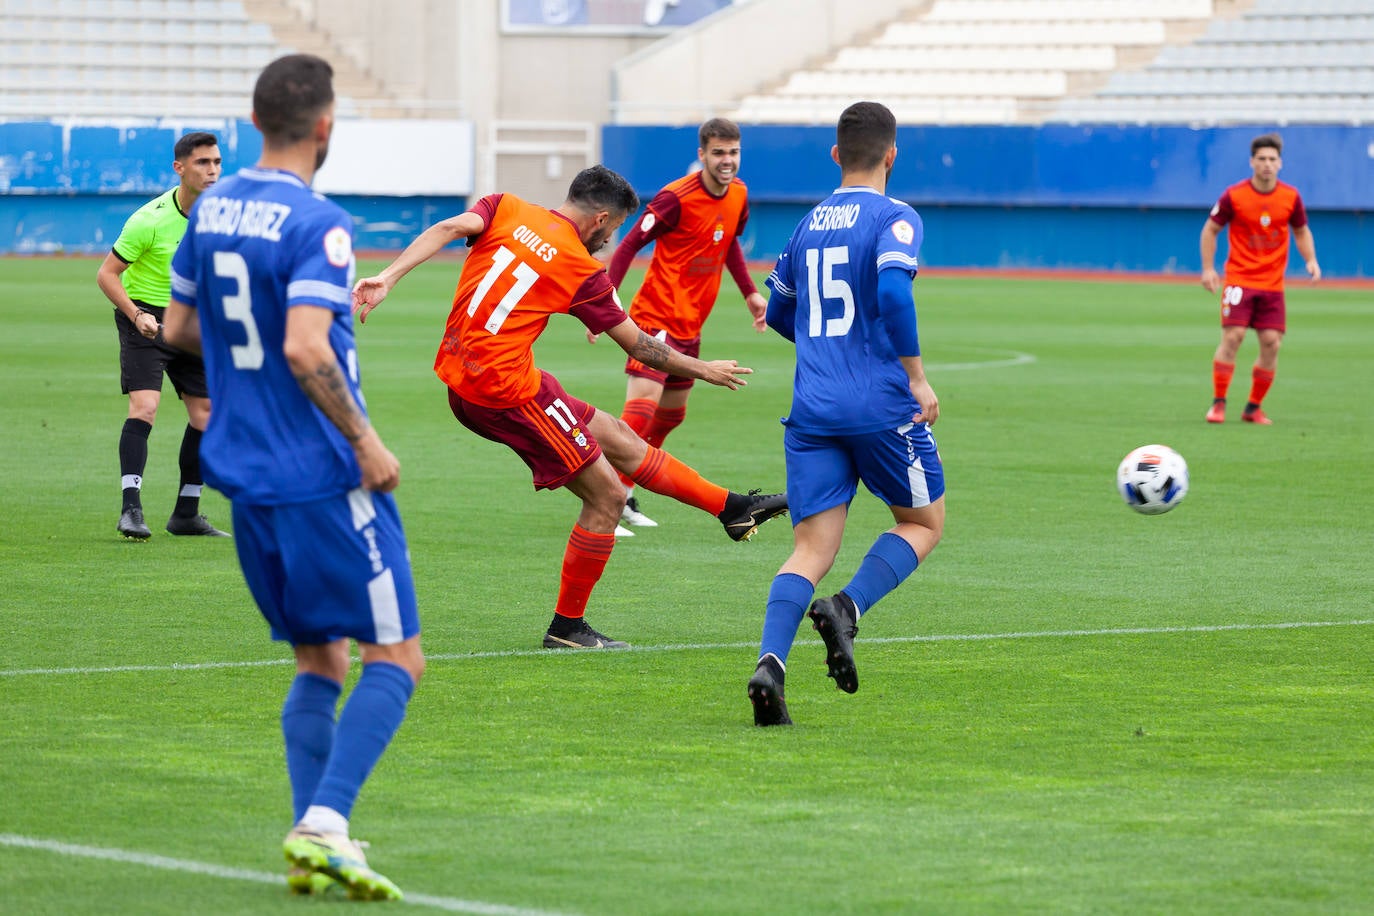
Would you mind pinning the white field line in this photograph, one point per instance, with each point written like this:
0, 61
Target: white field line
695, 647
1015, 358
456, 905
451, 904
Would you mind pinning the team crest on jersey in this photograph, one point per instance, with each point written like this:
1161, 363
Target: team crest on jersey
1265, 220
903, 231
719, 233
580, 438
338, 246
646, 223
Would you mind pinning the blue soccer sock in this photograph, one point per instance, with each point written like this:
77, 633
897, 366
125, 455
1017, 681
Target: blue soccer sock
886, 565
369, 719
307, 724
788, 598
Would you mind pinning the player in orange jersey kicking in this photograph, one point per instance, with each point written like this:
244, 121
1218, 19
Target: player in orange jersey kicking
694, 224
1259, 212
527, 264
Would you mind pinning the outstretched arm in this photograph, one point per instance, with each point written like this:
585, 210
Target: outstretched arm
655, 353
369, 292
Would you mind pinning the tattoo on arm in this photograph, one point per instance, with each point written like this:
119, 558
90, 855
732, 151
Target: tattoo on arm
651, 352
327, 388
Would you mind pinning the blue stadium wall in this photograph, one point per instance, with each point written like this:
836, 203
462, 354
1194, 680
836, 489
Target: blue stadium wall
1054, 196
69, 189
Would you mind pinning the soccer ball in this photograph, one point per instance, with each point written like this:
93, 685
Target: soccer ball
1152, 479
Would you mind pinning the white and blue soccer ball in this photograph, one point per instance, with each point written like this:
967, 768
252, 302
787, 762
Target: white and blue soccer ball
1152, 479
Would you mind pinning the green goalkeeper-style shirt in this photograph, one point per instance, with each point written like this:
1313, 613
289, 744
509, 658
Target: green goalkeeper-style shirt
147, 243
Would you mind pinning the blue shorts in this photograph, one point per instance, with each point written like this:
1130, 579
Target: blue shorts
331, 568
900, 466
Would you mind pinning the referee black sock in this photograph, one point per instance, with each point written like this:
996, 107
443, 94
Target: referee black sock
133, 457
188, 497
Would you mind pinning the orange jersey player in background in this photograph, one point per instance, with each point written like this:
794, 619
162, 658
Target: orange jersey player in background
527, 264
694, 223
1260, 212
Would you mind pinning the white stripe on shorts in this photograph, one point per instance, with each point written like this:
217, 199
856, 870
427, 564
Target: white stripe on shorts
386, 610
360, 502
915, 474
916, 478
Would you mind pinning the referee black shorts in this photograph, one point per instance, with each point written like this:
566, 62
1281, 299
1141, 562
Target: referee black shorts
142, 361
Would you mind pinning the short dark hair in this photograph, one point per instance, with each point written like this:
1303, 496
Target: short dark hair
720, 128
290, 94
1270, 140
192, 142
598, 188
864, 134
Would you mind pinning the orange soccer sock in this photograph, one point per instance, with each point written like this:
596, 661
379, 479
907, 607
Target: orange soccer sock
662, 473
1221, 378
664, 421
583, 563
1260, 380
638, 413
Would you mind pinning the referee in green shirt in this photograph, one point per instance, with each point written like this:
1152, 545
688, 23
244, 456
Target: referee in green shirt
135, 276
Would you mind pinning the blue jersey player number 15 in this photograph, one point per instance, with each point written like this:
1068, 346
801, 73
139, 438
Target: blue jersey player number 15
824, 261
861, 406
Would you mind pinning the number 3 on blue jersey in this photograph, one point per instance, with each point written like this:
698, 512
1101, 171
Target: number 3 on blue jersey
230, 265
822, 262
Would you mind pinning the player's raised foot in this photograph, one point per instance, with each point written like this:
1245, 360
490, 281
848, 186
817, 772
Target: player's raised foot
132, 526
1253, 414
1217, 412
765, 693
335, 855
622, 532
576, 633
194, 525
835, 619
307, 883
631, 515
744, 512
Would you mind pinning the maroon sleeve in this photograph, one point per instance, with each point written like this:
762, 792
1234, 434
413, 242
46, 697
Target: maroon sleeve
625, 253
661, 216
594, 304
1223, 211
667, 210
1298, 218
743, 218
485, 208
734, 261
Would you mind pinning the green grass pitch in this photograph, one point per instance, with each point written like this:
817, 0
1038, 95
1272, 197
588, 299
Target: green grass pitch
1070, 708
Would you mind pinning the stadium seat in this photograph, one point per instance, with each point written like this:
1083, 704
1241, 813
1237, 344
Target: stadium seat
1075, 60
